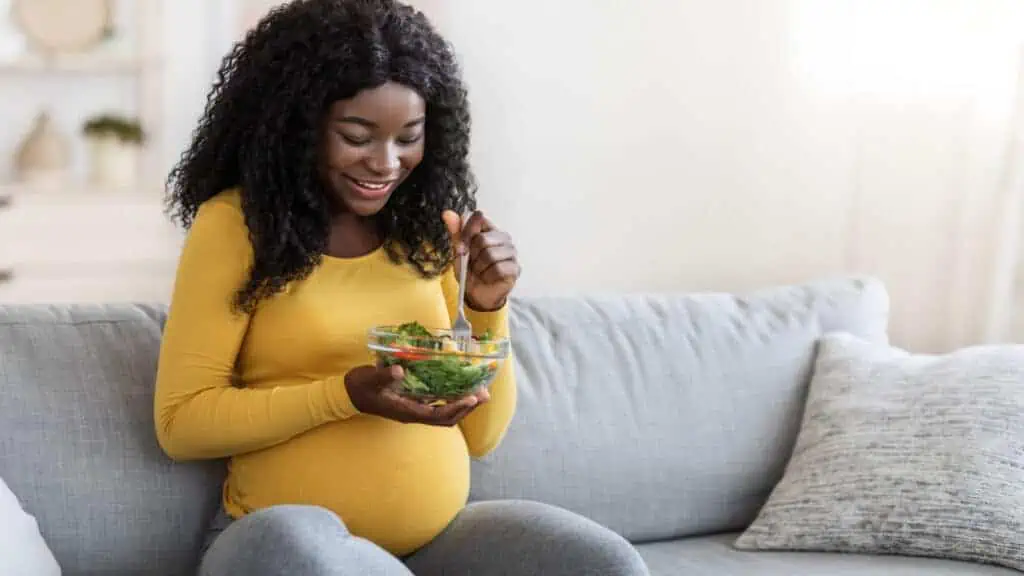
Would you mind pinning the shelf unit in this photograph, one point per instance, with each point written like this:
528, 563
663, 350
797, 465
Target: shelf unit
79, 242
75, 64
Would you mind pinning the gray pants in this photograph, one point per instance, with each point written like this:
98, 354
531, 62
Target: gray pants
507, 538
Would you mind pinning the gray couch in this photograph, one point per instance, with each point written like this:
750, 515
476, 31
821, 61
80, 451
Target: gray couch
667, 418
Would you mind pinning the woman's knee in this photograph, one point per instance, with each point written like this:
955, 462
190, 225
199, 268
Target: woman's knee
294, 539
292, 527
271, 541
526, 538
290, 520
576, 541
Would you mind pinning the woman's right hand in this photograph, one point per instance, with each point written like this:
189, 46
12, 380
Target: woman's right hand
371, 389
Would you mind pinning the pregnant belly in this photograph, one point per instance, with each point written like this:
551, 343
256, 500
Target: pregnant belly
397, 485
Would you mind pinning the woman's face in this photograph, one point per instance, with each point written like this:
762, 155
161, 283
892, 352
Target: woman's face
372, 143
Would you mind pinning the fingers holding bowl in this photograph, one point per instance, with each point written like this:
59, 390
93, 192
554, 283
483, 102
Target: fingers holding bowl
412, 410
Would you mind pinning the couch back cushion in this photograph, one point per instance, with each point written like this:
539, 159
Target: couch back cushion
666, 416
77, 445
659, 416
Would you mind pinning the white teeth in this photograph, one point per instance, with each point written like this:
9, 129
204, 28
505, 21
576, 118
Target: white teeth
372, 185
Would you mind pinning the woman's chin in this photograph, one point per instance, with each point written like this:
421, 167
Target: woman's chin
365, 207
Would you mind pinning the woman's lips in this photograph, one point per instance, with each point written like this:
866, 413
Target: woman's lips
370, 189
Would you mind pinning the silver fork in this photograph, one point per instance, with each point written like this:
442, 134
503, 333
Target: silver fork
462, 330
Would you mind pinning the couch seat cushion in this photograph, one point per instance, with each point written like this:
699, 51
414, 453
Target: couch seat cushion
716, 556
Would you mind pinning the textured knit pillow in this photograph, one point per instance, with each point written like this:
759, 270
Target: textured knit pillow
905, 454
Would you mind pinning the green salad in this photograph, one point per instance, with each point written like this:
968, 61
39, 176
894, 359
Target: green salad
434, 376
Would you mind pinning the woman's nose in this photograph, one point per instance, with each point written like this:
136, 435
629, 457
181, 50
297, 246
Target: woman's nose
385, 159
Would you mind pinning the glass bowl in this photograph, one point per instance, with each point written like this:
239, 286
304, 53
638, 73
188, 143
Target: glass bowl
437, 371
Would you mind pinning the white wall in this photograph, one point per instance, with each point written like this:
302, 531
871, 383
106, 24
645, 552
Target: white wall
698, 145
717, 145
195, 37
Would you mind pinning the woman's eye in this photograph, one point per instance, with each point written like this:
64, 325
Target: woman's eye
353, 140
410, 139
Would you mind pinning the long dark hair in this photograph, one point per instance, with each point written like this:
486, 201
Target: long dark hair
261, 128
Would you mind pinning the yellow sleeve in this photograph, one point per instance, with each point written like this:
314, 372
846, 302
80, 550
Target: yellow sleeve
199, 413
485, 427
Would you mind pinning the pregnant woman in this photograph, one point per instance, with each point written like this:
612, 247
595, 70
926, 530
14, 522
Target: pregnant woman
322, 192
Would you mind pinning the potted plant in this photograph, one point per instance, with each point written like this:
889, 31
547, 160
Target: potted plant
114, 142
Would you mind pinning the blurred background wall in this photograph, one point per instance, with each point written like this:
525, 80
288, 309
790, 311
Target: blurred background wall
640, 146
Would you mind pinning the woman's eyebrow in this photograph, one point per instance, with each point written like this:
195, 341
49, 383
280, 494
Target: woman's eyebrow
370, 124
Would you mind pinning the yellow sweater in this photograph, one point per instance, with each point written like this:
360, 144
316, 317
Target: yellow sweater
288, 426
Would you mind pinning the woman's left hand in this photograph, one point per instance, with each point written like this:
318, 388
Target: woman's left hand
493, 266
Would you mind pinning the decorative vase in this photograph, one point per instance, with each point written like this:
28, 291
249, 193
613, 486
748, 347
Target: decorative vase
44, 154
113, 162
12, 43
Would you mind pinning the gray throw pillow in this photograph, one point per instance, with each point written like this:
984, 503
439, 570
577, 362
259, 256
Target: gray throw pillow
906, 454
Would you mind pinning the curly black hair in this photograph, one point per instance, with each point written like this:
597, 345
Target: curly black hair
264, 118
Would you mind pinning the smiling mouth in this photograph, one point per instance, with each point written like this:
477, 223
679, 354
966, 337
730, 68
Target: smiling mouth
371, 188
